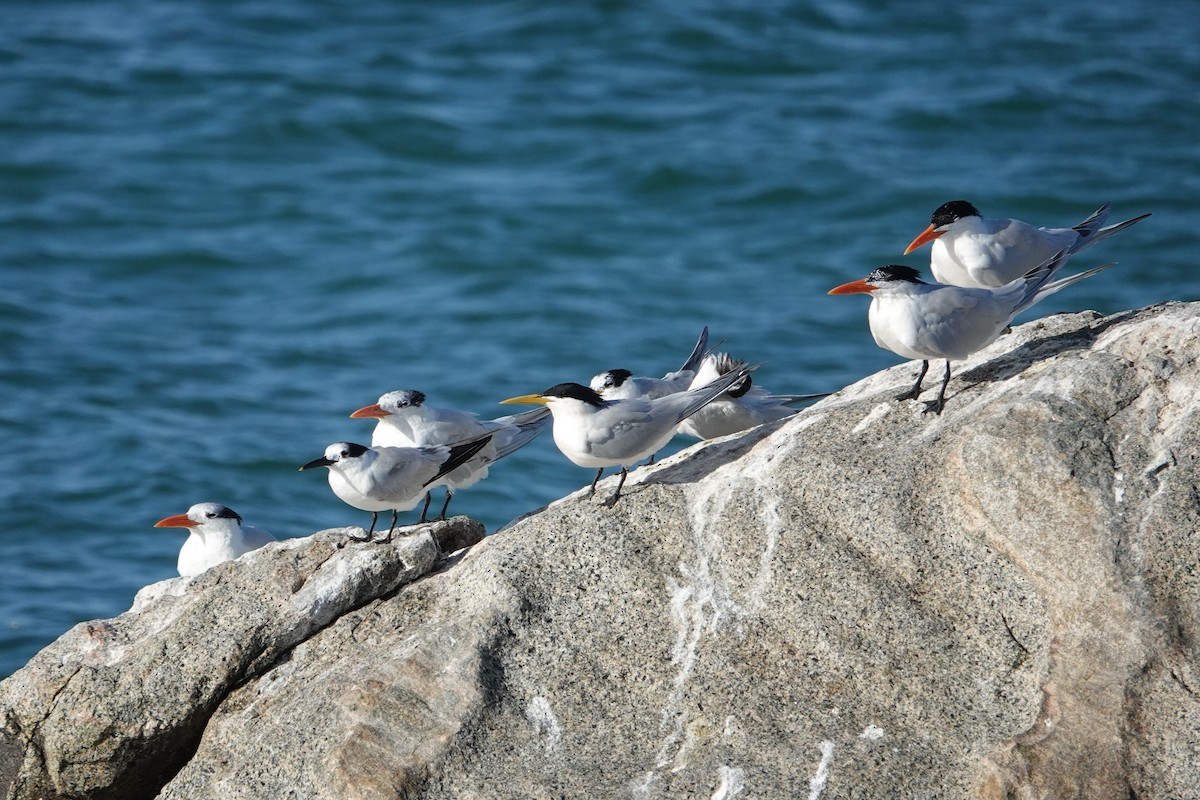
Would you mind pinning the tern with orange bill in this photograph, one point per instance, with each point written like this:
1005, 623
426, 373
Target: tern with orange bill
215, 535
927, 321
969, 249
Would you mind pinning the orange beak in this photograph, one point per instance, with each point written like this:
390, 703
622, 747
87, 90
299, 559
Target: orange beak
854, 287
370, 412
927, 236
177, 521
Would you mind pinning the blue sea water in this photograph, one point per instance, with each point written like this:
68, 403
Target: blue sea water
225, 226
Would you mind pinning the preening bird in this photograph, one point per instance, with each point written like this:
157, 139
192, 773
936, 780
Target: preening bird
215, 534
406, 420
381, 478
621, 384
922, 320
594, 432
739, 408
972, 250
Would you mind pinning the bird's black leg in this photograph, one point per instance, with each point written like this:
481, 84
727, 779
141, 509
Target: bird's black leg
392, 527
915, 391
371, 530
425, 508
937, 405
596, 480
446, 504
613, 500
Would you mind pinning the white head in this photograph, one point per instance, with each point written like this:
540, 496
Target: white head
204, 518
340, 455
612, 379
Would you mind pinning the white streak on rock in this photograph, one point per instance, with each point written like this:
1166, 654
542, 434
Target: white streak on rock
877, 413
872, 733
730, 785
701, 601
817, 784
545, 723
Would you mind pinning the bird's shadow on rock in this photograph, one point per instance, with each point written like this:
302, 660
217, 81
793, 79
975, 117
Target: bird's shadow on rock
1016, 361
714, 456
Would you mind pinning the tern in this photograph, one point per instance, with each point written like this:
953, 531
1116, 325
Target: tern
928, 321
741, 407
405, 420
215, 534
594, 432
620, 384
381, 478
972, 250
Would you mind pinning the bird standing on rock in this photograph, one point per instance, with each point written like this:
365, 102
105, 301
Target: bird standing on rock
215, 535
594, 432
406, 420
922, 320
392, 477
972, 250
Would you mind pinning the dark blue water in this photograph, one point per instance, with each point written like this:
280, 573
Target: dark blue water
224, 227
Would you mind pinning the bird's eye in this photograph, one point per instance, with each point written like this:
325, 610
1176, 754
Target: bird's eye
210, 515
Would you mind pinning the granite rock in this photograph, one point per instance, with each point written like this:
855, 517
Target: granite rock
861, 601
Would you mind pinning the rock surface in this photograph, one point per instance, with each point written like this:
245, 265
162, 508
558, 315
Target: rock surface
862, 601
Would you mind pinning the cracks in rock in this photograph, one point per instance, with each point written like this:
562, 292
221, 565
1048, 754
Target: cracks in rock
1024, 654
1153, 473
34, 733
1182, 681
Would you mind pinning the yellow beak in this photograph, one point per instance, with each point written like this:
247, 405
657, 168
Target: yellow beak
525, 400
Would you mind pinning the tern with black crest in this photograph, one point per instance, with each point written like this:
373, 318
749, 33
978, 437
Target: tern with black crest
395, 478
405, 419
621, 384
972, 250
595, 432
215, 535
927, 321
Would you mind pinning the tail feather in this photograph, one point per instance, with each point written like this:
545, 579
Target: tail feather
512, 439
1090, 230
1090, 226
698, 352
1104, 233
1062, 283
1035, 279
460, 453
797, 399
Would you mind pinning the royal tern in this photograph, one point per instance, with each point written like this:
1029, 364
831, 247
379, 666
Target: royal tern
972, 250
922, 320
215, 534
741, 407
404, 420
380, 478
620, 384
594, 432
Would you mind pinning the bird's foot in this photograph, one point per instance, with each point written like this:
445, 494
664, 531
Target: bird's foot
911, 394
366, 537
935, 406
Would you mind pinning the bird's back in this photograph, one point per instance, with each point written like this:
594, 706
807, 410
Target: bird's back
992, 253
